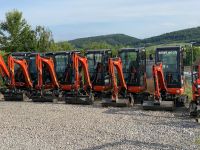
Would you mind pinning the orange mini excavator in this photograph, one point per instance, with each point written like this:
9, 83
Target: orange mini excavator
106, 87
134, 70
45, 87
16, 77
73, 76
168, 80
116, 95
194, 106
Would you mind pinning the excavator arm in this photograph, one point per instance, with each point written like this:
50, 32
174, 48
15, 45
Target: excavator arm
23, 65
112, 64
50, 65
83, 60
159, 81
3, 68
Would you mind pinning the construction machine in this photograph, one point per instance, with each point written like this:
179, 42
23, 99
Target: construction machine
45, 83
110, 88
73, 77
134, 70
16, 77
194, 106
168, 79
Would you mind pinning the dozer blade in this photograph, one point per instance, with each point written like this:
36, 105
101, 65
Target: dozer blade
163, 105
15, 97
44, 99
79, 100
107, 102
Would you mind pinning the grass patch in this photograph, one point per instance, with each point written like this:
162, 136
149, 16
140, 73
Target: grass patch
188, 90
197, 141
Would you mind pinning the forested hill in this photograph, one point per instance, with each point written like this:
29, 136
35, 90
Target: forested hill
181, 36
112, 39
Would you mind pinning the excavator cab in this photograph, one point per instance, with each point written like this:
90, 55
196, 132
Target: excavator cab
173, 69
45, 85
98, 69
168, 76
107, 78
73, 77
134, 70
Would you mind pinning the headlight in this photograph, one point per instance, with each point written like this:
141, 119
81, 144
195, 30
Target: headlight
198, 86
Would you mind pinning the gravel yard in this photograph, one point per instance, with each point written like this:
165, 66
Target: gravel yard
27, 125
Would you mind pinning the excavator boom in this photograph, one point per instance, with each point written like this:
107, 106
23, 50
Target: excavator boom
116, 63
23, 65
118, 92
83, 60
159, 80
40, 61
3, 68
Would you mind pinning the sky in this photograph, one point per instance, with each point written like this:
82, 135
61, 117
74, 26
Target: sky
71, 19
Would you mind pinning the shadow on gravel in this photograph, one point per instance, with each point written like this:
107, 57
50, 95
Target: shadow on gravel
180, 113
181, 116
179, 124
137, 143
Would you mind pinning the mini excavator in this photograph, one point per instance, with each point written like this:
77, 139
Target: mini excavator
45, 85
168, 80
194, 106
134, 70
73, 77
107, 86
16, 77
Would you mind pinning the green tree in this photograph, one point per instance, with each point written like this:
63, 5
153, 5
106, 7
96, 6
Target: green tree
44, 39
16, 34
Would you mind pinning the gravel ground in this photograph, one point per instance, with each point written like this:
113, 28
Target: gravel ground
27, 125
